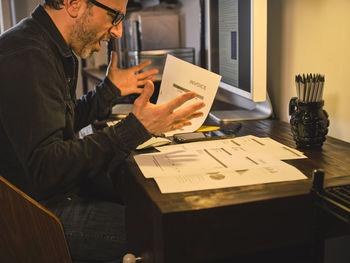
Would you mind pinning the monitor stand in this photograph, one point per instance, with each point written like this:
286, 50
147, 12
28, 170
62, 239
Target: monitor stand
229, 107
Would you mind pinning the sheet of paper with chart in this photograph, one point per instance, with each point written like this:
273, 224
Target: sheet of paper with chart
179, 77
220, 163
275, 172
249, 143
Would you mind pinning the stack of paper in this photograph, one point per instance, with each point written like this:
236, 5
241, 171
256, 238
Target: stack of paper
233, 162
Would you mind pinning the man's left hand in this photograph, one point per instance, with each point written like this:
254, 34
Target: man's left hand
127, 80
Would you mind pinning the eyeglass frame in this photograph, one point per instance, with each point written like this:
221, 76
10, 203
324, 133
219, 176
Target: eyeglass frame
119, 16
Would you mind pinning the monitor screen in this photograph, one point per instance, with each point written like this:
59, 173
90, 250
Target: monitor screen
236, 43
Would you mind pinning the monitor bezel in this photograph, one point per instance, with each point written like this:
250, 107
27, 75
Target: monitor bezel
258, 51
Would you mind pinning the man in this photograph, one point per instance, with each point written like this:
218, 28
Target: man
40, 116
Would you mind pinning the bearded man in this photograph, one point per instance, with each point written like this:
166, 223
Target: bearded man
40, 116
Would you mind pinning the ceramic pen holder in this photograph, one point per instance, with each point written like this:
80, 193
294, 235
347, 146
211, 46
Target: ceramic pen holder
309, 123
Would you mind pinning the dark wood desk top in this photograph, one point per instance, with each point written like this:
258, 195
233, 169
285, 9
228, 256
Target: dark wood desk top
333, 158
265, 209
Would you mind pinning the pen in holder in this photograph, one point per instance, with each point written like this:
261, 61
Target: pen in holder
309, 121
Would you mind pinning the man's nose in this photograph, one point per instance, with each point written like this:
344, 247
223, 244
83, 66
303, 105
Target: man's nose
117, 31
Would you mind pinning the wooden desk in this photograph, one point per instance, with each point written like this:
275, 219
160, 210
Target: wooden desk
217, 225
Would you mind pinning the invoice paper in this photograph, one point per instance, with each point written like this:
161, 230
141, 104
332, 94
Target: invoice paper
239, 153
249, 143
202, 180
179, 77
219, 163
173, 163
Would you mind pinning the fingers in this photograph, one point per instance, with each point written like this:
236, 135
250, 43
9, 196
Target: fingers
158, 119
141, 65
137, 90
182, 117
193, 115
146, 93
144, 81
187, 118
178, 126
147, 73
189, 112
178, 101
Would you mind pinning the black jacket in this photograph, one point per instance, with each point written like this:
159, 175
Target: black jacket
40, 115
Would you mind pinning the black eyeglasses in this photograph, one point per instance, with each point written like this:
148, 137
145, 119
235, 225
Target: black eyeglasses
118, 16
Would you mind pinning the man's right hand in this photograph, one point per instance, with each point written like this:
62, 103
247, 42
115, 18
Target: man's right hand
159, 119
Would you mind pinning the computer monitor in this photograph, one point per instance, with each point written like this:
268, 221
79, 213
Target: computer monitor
236, 41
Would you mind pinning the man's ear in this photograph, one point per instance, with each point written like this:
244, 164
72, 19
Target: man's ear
73, 6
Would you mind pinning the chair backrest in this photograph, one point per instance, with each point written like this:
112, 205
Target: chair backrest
28, 231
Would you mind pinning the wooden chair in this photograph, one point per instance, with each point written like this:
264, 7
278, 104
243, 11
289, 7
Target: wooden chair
28, 231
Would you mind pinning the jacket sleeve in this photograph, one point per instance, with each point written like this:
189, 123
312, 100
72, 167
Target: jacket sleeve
35, 113
96, 104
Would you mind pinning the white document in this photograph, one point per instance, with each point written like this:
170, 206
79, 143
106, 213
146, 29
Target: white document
202, 180
179, 77
209, 156
219, 163
197, 145
176, 163
252, 144
268, 146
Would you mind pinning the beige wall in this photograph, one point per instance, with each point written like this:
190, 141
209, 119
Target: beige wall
311, 36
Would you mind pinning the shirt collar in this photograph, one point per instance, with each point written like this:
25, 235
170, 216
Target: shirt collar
45, 21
